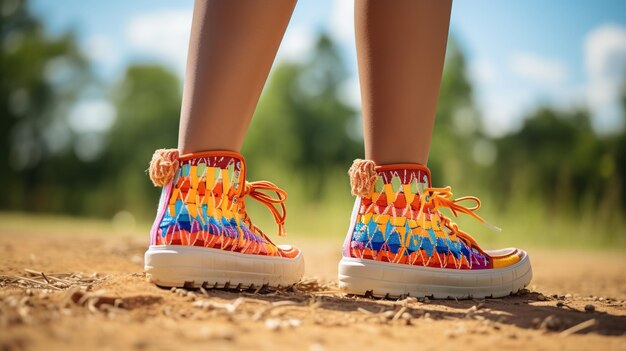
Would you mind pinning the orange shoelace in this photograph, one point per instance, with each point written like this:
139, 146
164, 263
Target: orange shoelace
253, 189
437, 198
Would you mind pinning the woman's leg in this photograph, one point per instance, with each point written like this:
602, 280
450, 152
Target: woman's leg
231, 50
202, 226
401, 46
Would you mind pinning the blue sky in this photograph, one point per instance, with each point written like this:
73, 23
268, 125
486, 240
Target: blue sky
520, 53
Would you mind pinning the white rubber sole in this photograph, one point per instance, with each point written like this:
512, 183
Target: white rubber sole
194, 267
362, 277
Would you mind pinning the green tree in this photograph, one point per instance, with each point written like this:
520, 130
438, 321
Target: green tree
457, 122
41, 79
302, 124
148, 106
557, 156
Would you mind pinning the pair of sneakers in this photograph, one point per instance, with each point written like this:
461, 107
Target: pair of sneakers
398, 243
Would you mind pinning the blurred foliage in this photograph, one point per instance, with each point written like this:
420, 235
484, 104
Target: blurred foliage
457, 120
301, 125
555, 170
557, 154
148, 103
41, 78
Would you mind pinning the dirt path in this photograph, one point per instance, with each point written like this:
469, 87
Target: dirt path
119, 310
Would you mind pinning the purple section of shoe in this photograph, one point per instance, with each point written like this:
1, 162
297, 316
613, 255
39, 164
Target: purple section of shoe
165, 195
348, 239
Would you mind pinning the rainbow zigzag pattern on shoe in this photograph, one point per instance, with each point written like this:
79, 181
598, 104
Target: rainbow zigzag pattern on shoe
202, 203
398, 220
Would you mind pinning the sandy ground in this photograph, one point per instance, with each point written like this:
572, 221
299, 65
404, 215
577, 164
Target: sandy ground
93, 295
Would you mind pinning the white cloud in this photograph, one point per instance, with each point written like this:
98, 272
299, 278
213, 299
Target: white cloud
161, 34
341, 30
102, 49
537, 69
501, 103
604, 50
350, 92
605, 64
341, 24
296, 45
482, 71
502, 114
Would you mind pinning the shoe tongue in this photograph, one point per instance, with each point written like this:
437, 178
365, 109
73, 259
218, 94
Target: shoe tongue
406, 173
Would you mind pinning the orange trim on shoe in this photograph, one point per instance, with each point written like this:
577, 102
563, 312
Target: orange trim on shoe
395, 166
210, 153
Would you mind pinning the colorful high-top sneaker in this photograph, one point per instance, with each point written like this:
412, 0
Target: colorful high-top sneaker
399, 242
202, 235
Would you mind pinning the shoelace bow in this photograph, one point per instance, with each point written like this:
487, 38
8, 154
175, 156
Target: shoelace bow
437, 198
254, 190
